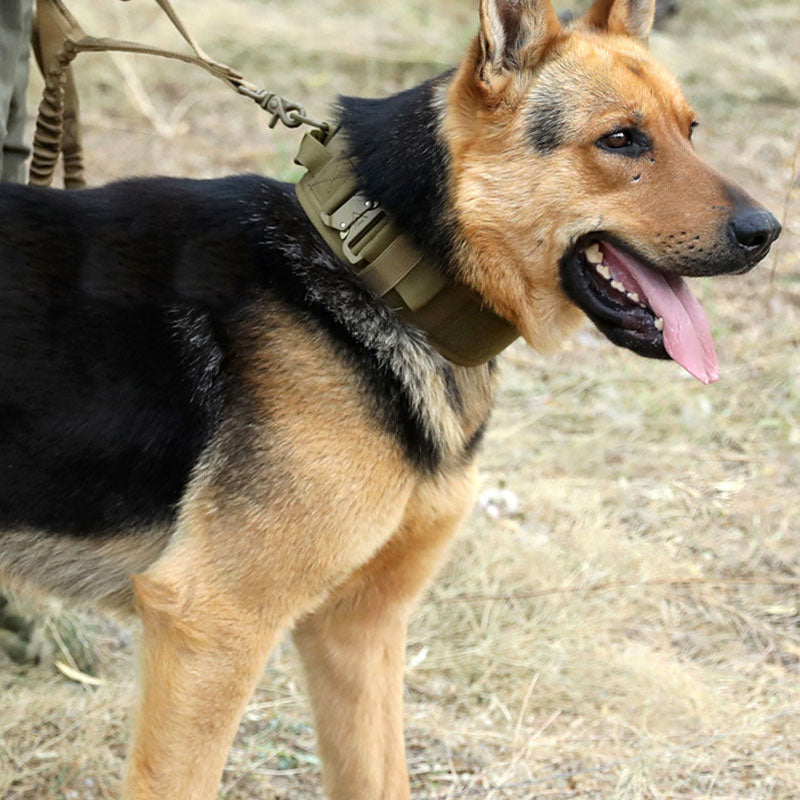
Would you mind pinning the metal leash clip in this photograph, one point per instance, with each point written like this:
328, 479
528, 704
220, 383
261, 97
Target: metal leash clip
292, 115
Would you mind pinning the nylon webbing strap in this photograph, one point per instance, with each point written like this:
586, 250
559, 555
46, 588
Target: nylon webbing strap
58, 41
455, 319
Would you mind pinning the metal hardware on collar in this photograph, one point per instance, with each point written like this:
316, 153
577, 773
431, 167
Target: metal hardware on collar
348, 214
354, 220
291, 114
359, 232
456, 320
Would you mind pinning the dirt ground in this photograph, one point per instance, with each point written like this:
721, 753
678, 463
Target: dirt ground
631, 629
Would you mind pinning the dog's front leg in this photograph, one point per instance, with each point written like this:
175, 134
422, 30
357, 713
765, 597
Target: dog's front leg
211, 615
353, 650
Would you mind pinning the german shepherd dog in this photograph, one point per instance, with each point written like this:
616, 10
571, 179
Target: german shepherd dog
277, 450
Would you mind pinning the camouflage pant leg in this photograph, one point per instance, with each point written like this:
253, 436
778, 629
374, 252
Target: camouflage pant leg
15, 37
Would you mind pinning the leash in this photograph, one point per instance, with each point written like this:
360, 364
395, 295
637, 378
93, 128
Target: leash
359, 232
59, 38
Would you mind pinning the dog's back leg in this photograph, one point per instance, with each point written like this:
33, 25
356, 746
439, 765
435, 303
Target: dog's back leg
353, 650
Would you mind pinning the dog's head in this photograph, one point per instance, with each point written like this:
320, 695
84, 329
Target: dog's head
576, 186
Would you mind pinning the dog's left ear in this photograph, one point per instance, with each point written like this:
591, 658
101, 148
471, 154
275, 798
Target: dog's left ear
514, 34
623, 17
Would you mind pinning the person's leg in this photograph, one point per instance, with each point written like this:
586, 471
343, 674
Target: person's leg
15, 37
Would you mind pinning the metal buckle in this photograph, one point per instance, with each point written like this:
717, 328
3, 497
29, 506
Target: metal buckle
355, 234
348, 213
353, 219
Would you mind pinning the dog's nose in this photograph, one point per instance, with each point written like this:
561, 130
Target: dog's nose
754, 230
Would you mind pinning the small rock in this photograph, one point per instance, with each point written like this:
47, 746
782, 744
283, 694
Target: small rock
499, 503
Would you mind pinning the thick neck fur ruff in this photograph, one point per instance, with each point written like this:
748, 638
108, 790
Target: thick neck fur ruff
127, 310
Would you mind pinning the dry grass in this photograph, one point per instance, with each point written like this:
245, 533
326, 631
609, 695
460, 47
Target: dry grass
633, 630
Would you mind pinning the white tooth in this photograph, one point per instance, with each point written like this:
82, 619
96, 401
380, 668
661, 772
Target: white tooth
633, 296
659, 323
604, 271
618, 286
593, 254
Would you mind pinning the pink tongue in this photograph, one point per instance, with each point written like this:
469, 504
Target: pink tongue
687, 336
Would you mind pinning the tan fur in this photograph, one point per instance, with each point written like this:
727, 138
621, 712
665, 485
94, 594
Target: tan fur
519, 211
623, 17
305, 514
353, 648
347, 523
498, 52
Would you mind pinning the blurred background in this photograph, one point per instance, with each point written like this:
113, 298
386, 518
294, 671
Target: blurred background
621, 616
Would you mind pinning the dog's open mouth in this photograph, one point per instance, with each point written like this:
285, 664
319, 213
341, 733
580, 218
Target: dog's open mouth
650, 312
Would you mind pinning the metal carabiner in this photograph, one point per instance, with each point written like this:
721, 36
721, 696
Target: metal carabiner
292, 115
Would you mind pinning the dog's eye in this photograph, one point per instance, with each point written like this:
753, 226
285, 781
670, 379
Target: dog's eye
692, 127
617, 140
629, 142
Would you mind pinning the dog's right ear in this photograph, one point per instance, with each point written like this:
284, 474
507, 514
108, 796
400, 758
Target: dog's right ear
623, 17
514, 34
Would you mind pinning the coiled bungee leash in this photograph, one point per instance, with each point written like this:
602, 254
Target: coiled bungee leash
59, 38
456, 320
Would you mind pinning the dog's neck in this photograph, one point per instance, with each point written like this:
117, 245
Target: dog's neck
402, 163
380, 183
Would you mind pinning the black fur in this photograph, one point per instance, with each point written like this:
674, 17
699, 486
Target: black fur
548, 123
120, 309
475, 442
514, 35
402, 163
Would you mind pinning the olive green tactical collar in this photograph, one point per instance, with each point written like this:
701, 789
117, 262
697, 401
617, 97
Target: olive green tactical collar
457, 322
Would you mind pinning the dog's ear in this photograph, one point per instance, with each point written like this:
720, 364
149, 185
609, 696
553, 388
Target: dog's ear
624, 17
514, 34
